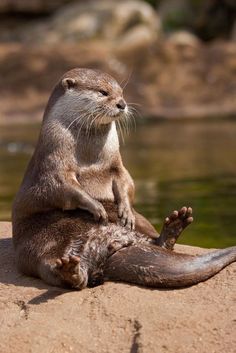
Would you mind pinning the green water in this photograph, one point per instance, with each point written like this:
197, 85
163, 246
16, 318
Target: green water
173, 164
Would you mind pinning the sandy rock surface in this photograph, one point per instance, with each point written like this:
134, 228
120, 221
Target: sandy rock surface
114, 317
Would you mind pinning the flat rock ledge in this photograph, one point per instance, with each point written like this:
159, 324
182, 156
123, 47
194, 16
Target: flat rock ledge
114, 317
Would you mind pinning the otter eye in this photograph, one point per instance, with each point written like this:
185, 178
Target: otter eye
104, 93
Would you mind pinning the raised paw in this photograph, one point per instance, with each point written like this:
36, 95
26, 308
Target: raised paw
70, 271
173, 227
127, 218
179, 219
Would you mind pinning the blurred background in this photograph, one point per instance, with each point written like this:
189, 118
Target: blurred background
177, 61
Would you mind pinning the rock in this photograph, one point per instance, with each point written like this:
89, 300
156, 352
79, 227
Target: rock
136, 39
114, 317
127, 15
183, 39
165, 80
105, 20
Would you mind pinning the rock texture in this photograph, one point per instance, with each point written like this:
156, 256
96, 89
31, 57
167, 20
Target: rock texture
169, 74
79, 21
114, 317
177, 78
208, 19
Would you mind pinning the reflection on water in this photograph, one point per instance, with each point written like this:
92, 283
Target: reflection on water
173, 164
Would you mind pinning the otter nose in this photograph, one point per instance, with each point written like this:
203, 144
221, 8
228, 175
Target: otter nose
121, 104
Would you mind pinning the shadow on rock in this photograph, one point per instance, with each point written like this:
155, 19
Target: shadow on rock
10, 276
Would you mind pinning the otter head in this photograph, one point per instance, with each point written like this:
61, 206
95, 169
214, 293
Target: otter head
89, 98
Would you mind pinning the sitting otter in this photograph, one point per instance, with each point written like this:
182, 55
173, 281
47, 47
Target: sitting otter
74, 223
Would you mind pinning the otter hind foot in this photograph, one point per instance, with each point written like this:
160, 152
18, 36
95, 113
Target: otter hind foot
173, 227
69, 269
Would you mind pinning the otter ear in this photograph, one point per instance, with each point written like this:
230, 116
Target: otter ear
69, 83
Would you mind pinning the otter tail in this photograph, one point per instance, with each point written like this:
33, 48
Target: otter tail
157, 267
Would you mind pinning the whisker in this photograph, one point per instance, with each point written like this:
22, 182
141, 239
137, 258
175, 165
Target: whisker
120, 130
131, 103
133, 110
127, 81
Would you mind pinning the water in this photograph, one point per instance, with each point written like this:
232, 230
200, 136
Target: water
173, 164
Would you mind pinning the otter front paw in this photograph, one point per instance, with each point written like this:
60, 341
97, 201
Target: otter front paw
99, 212
126, 216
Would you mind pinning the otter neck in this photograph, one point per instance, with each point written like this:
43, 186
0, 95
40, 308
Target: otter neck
101, 144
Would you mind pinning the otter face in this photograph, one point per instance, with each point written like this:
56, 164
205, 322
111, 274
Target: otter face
93, 97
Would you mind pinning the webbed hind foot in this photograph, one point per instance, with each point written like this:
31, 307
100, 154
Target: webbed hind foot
69, 269
173, 227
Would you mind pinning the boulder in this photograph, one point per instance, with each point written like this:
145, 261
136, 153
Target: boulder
183, 39
136, 39
105, 20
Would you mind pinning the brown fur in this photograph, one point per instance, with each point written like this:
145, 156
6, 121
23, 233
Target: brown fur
59, 181
74, 210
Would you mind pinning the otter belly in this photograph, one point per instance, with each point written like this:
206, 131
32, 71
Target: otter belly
99, 188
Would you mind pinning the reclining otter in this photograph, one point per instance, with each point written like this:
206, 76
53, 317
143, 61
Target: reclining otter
73, 218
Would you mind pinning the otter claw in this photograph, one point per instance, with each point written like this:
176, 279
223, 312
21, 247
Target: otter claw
58, 263
104, 220
100, 214
128, 222
126, 216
